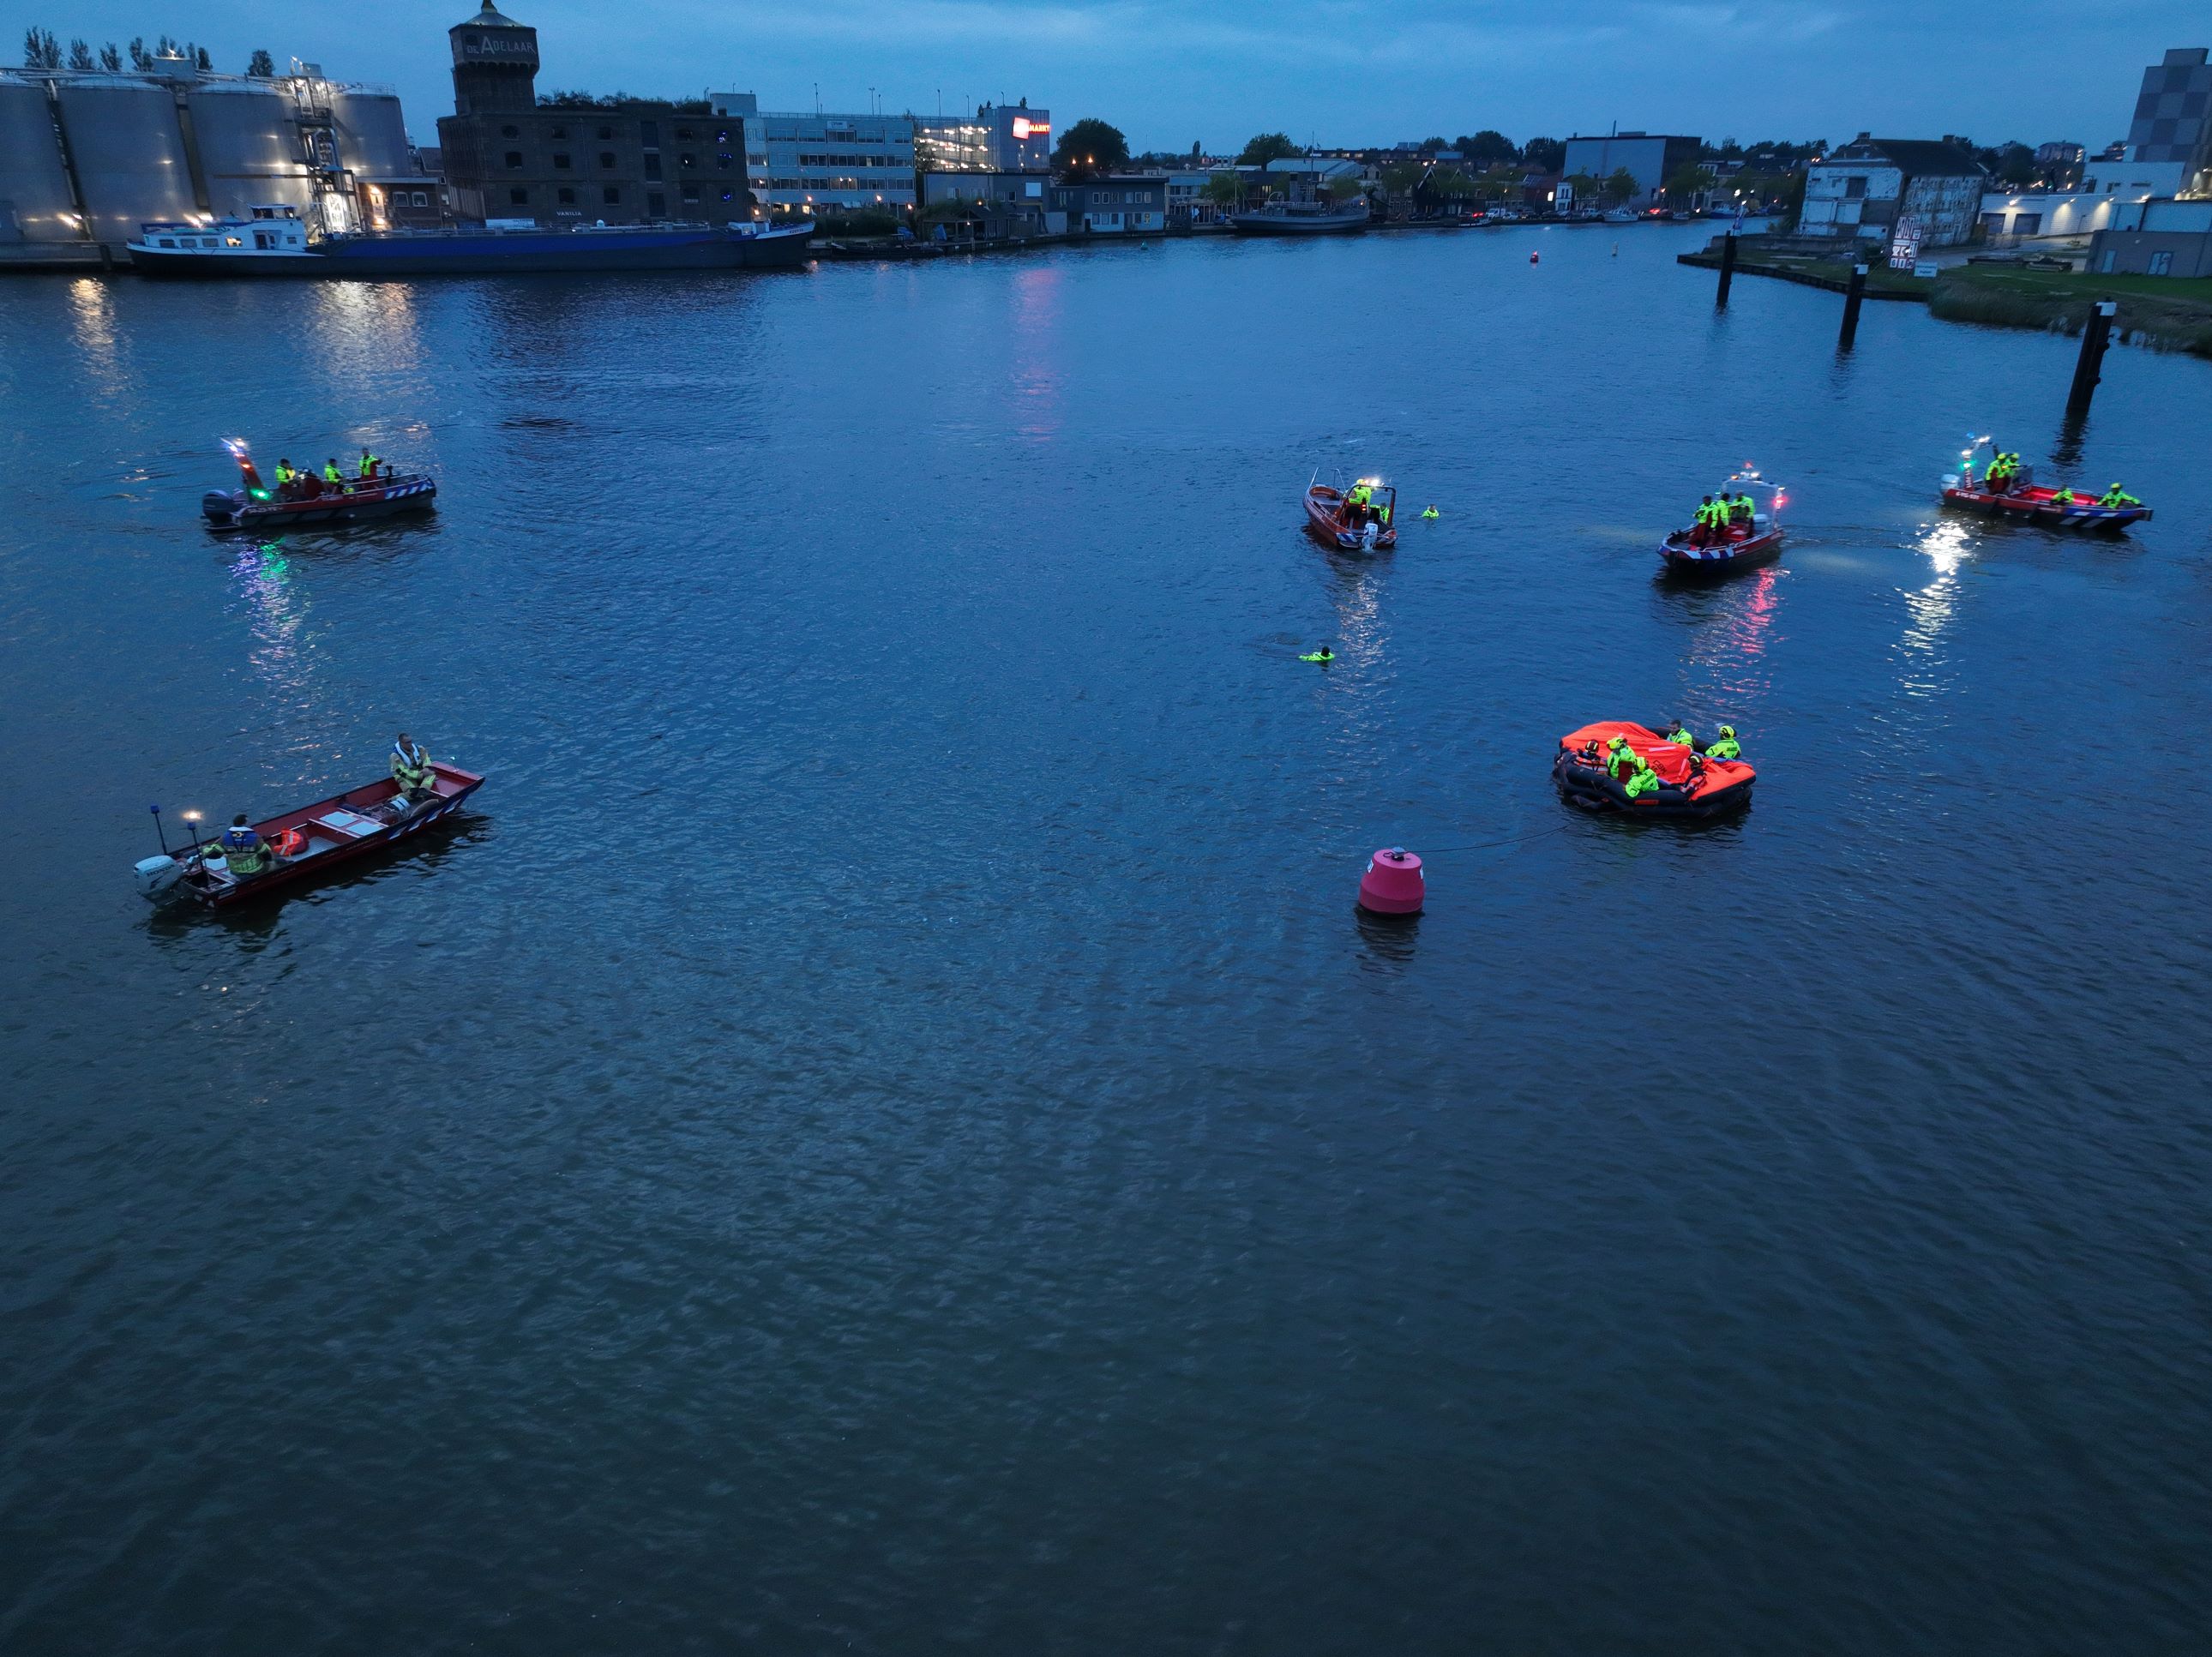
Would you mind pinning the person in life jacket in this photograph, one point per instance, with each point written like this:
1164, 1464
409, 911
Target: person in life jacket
1742, 512
1643, 780
2116, 496
242, 848
410, 769
1725, 746
1324, 654
1431, 512
285, 472
331, 472
2003, 469
369, 462
1679, 733
2065, 498
1355, 503
1618, 754
1701, 526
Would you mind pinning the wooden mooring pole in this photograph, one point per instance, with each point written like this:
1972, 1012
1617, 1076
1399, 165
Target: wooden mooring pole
1728, 270
2096, 335
1852, 297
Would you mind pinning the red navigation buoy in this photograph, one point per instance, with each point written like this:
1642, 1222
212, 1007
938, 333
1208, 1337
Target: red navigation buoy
1393, 883
1533, 255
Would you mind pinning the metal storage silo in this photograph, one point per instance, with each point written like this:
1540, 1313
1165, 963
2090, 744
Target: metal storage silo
249, 145
130, 155
34, 192
372, 136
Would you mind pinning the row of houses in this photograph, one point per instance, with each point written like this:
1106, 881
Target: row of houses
2143, 207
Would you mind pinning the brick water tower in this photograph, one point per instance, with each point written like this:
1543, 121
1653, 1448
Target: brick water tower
495, 65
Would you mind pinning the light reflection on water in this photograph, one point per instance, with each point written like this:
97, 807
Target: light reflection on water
92, 323
1727, 673
283, 654
1930, 609
1035, 299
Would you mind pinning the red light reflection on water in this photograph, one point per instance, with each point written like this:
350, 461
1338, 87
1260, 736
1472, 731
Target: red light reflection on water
1733, 643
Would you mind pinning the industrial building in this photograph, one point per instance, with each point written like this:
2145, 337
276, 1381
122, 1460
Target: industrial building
1893, 191
633, 161
2169, 147
1649, 158
87, 156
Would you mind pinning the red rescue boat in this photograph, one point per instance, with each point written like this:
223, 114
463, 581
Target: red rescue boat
308, 841
1691, 786
1335, 520
2022, 498
255, 506
1747, 544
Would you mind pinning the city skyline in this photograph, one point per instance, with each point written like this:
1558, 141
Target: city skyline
1350, 72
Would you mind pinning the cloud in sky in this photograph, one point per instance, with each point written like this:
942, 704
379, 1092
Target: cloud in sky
1340, 71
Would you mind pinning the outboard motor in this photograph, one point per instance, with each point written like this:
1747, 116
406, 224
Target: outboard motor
1368, 533
157, 875
221, 508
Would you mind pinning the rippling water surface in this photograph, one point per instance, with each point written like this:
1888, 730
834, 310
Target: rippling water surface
885, 1132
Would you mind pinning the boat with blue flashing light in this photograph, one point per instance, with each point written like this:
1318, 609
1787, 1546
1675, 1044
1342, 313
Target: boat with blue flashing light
273, 240
308, 498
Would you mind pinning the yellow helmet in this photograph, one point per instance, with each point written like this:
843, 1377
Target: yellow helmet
1728, 731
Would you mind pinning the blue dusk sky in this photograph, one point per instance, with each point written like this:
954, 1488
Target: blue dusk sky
1333, 71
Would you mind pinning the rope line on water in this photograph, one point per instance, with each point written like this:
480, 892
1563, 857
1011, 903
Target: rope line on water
1427, 852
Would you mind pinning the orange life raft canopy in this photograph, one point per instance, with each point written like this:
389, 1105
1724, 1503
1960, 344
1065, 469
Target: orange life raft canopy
1690, 785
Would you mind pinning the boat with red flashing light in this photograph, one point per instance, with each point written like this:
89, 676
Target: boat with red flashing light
301, 844
1362, 519
2019, 497
308, 498
1743, 545
1693, 786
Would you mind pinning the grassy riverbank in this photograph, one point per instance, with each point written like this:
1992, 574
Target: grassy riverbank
1882, 282
2164, 313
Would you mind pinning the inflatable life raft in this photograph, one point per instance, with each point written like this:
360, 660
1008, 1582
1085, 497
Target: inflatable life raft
1690, 787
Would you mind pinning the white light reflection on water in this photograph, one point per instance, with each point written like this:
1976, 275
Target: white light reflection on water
1930, 610
367, 327
92, 322
370, 355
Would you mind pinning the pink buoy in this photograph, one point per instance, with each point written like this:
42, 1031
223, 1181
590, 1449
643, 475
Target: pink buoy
1393, 883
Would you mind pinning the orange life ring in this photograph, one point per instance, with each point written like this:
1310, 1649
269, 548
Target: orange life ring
290, 844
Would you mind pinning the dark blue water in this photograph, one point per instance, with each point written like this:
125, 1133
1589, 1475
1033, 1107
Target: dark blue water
885, 1132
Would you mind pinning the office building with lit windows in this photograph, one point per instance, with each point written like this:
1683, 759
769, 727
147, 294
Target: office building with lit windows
803, 165
996, 138
575, 160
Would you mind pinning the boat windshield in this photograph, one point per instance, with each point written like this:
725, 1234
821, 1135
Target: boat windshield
1767, 497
